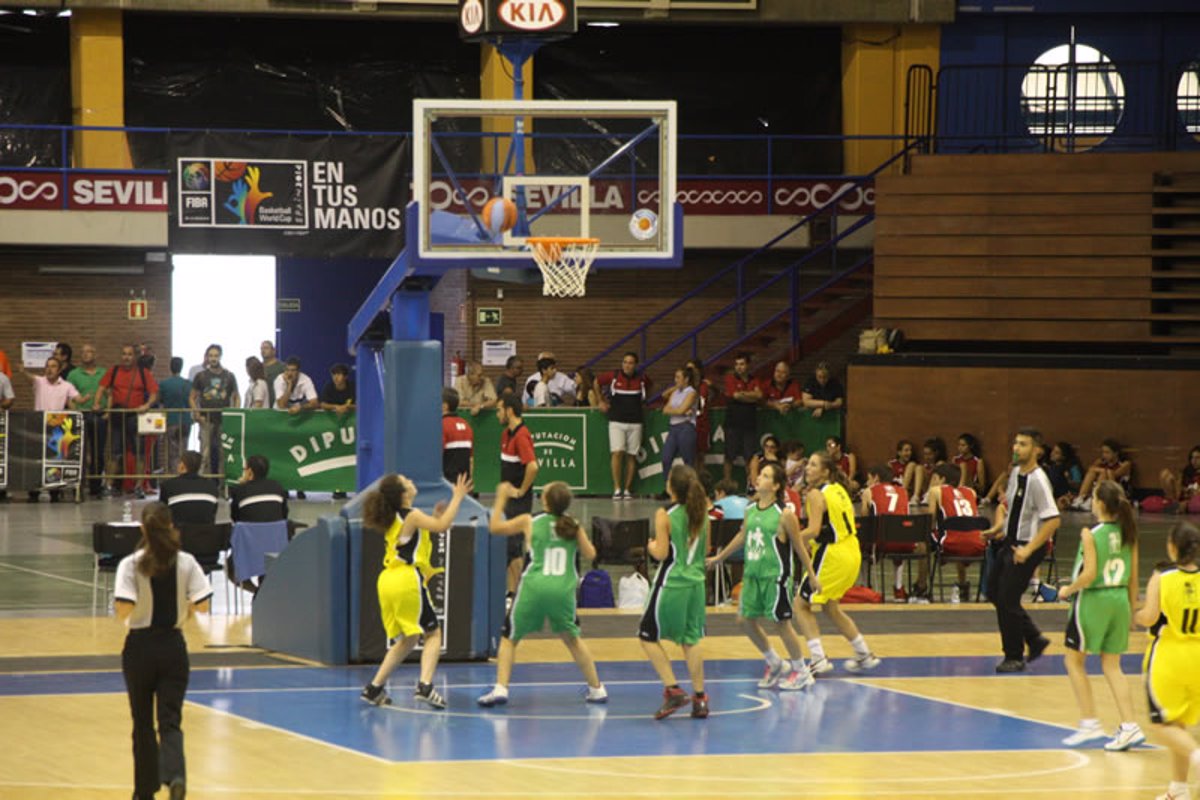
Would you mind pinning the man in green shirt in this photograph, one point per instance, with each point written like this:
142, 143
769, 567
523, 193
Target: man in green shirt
86, 379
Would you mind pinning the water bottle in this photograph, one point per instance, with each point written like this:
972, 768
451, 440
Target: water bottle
127, 512
955, 597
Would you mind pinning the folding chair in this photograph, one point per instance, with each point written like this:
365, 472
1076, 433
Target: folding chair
940, 558
721, 534
251, 543
111, 541
622, 541
901, 529
207, 543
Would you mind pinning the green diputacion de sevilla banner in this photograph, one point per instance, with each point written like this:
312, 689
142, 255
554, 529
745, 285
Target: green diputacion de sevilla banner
315, 450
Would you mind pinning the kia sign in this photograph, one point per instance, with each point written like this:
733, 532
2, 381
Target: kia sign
87, 191
484, 19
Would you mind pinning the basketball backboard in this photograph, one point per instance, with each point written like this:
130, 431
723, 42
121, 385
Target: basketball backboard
603, 169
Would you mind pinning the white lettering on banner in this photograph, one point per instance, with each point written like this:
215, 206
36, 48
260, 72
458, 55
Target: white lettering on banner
336, 203
300, 453
12, 190
118, 192
373, 219
532, 15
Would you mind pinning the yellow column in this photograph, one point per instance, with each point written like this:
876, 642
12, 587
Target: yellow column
496, 83
98, 87
875, 62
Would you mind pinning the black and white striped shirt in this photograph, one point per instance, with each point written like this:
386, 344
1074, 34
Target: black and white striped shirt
1030, 503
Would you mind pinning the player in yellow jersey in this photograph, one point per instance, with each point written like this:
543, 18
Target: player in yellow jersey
836, 559
1172, 663
403, 595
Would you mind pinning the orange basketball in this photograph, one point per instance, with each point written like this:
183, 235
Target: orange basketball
499, 214
228, 171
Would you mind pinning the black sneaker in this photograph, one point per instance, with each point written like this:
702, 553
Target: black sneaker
1037, 648
339, 495
375, 695
700, 706
178, 789
301, 496
428, 695
1010, 665
673, 700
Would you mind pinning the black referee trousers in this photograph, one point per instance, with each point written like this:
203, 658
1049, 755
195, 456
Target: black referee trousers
1006, 583
155, 664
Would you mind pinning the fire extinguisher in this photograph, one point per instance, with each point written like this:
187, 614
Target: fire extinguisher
457, 366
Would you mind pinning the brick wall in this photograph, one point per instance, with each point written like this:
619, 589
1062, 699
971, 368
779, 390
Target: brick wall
79, 309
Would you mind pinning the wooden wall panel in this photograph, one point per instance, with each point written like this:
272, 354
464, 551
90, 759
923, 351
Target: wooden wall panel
1012, 245
887, 203
1004, 308
1001, 266
1060, 224
1026, 287
1054, 330
1153, 412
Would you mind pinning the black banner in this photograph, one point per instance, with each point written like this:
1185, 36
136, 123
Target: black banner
313, 196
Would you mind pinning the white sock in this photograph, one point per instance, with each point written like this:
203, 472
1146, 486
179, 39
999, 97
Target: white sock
1089, 723
1178, 790
860, 646
815, 649
900, 576
772, 658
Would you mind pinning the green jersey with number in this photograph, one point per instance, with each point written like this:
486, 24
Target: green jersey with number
552, 558
1114, 560
685, 561
766, 556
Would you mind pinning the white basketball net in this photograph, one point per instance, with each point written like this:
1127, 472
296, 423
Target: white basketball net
564, 264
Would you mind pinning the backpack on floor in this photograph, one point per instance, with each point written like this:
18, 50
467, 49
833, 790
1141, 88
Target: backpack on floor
595, 590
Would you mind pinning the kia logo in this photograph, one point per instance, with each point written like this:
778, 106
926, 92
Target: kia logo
13, 190
532, 15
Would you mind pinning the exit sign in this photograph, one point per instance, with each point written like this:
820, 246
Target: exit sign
139, 309
488, 317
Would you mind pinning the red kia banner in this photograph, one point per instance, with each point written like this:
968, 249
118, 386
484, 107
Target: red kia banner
85, 191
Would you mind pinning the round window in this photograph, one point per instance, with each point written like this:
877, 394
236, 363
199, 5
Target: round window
1072, 97
1187, 98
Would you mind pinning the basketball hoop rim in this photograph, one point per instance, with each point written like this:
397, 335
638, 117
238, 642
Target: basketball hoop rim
560, 240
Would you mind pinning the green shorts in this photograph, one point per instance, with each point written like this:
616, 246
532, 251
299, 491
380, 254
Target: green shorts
1099, 621
766, 598
674, 613
534, 605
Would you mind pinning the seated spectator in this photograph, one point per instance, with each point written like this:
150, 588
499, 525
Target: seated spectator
1181, 491
949, 500
507, 382
475, 390
823, 392
793, 465
904, 468
781, 392
1112, 465
846, 462
559, 385
715, 512
769, 453
338, 394
258, 393
933, 453
544, 390
257, 498
970, 463
732, 504
191, 498
458, 440
585, 388
1065, 474
880, 497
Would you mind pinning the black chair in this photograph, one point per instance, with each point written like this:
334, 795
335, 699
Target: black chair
940, 558
622, 541
901, 529
721, 533
207, 543
111, 541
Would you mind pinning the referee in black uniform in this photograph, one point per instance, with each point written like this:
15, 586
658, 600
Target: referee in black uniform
1018, 548
157, 589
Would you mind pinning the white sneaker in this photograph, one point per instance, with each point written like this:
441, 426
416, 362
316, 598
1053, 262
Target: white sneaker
771, 676
955, 599
798, 679
1126, 738
496, 697
820, 666
626, 495
861, 663
597, 695
1085, 736
918, 600
618, 495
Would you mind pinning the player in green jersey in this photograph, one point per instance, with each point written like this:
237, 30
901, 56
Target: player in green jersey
547, 588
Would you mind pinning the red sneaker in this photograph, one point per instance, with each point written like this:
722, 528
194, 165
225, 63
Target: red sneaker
899, 595
673, 700
700, 706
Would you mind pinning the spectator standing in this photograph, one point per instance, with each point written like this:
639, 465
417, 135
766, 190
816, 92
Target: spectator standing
475, 390
190, 497
623, 395
823, 392
586, 395
703, 424
680, 403
781, 393
50, 391
272, 369
6, 400
63, 352
258, 391
539, 390
176, 393
507, 382
741, 414
559, 385
130, 388
294, 391
5, 367
213, 389
518, 466
86, 378
338, 394
458, 440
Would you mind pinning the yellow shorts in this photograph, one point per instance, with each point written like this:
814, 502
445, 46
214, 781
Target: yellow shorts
404, 602
837, 567
1172, 683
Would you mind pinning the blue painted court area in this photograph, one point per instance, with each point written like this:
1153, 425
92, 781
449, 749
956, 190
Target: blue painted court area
547, 718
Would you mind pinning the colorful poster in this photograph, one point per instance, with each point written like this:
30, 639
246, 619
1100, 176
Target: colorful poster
62, 448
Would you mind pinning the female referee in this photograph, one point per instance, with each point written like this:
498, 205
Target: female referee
1105, 586
675, 607
156, 590
403, 595
547, 587
1172, 680
836, 560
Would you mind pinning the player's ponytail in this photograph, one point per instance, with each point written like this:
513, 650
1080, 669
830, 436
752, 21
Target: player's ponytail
835, 472
1186, 539
687, 489
160, 541
1116, 503
381, 506
557, 497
